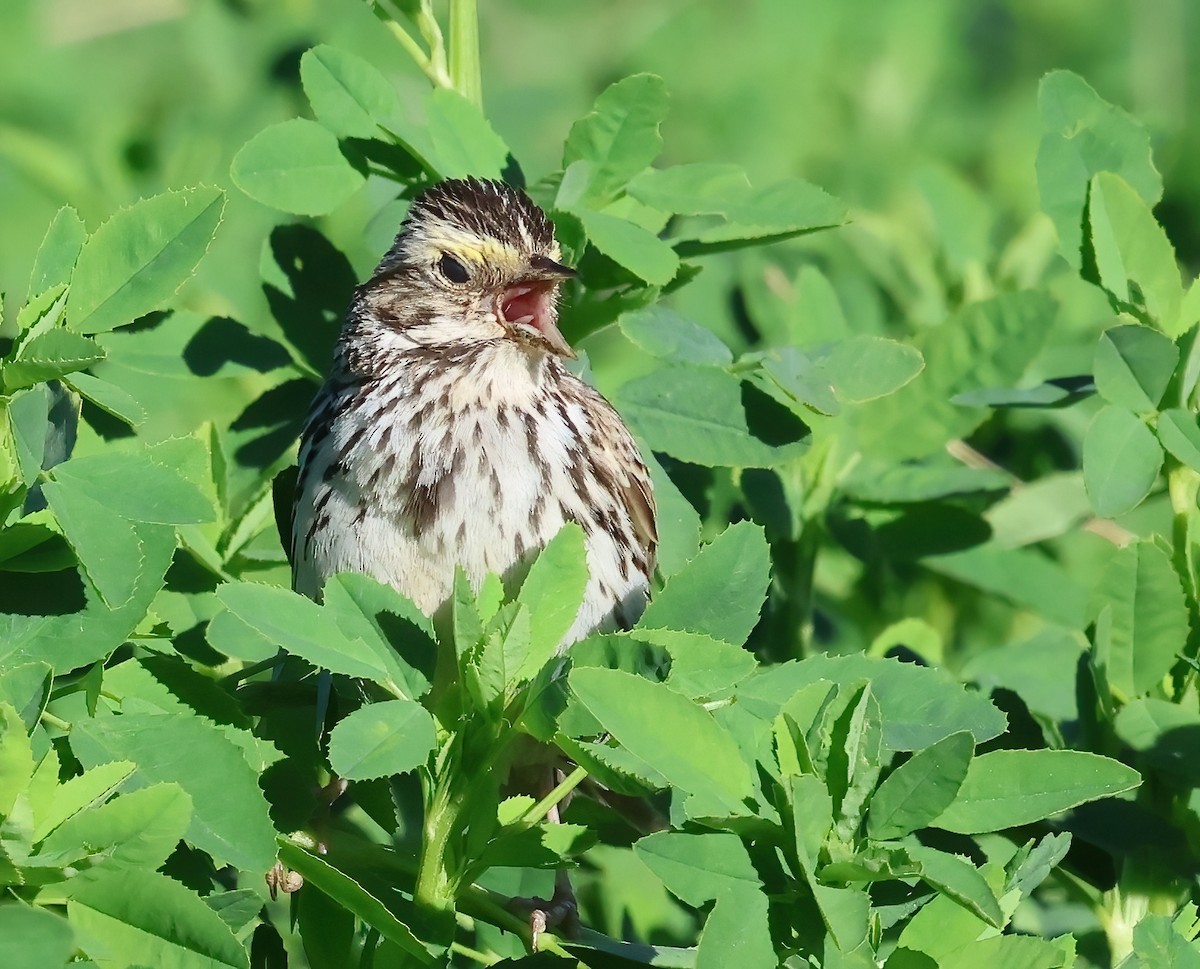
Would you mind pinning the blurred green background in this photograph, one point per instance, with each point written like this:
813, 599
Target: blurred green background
101, 103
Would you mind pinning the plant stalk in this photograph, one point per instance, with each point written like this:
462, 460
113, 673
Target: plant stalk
465, 74
539, 811
434, 890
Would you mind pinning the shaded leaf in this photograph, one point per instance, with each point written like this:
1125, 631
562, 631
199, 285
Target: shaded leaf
698, 414
229, 818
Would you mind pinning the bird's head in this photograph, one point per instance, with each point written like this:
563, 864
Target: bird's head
475, 260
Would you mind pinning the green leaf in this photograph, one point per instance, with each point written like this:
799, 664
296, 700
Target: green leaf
701, 666
64, 801
720, 592
1158, 944
229, 818
43, 312
109, 398
1033, 863
1008, 788
919, 705
381, 739
399, 634
138, 830
1161, 733
326, 930
1039, 510
552, 594
812, 819
1121, 461
920, 789
136, 917
1189, 308
228, 634
960, 880
34, 938
846, 913
865, 367
60, 638
56, 256
698, 414
1132, 250
26, 687
1179, 433
698, 868
1082, 135
136, 487
853, 762
352, 896
16, 758
620, 136
1041, 670
491, 669
782, 211
665, 334
703, 188
988, 343
675, 736
303, 628
48, 356
1026, 577
803, 379
463, 141
295, 166
237, 908
629, 245
737, 933
348, 95
137, 260
1147, 619
106, 546
963, 221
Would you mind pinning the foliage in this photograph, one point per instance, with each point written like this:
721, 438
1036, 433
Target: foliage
918, 683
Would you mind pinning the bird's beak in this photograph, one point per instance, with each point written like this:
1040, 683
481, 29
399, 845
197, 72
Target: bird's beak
527, 307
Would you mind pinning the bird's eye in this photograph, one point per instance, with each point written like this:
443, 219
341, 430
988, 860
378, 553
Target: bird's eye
452, 269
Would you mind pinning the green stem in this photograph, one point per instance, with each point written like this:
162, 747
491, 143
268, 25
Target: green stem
433, 63
49, 718
1183, 486
464, 51
434, 889
539, 811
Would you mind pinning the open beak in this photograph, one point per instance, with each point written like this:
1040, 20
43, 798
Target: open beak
527, 308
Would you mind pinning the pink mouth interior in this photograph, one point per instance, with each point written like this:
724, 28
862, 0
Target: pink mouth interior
528, 304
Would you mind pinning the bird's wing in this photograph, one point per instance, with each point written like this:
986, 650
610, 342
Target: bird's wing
634, 485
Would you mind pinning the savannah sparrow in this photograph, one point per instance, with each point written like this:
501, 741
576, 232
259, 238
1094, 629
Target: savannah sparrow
450, 432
